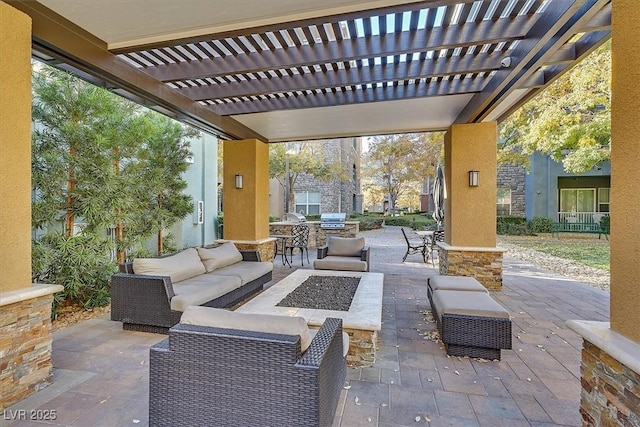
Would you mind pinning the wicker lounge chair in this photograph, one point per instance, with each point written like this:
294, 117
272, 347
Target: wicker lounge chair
207, 376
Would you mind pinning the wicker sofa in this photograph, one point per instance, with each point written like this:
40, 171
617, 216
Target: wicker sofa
150, 294
343, 254
238, 369
469, 321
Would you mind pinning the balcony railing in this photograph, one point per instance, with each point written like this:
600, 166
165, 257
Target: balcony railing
581, 216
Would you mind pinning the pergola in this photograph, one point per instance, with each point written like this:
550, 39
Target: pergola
255, 72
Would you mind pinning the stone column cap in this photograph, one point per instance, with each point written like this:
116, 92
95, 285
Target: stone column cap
448, 247
34, 291
611, 342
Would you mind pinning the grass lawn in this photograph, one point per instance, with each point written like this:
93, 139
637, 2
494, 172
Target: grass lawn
586, 250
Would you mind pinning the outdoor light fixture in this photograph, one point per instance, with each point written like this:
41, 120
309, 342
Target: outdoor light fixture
238, 181
474, 178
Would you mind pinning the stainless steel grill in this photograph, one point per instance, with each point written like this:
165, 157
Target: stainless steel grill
333, 221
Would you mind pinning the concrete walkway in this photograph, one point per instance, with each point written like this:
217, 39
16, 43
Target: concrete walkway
101, 371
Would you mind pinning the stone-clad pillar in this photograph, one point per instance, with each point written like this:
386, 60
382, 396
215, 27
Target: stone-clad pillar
610, 367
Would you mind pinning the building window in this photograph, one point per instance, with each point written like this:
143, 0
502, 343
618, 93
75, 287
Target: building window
504, 202
575, 200
603, 199
307, 203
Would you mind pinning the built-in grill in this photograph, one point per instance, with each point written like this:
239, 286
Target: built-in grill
294, 217
333, 221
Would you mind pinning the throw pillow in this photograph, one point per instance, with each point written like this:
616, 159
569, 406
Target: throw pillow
181, 266
220, 256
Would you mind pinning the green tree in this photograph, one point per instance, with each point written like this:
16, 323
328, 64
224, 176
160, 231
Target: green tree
99, 163
163, 161
398, 164
297, 158
570, 120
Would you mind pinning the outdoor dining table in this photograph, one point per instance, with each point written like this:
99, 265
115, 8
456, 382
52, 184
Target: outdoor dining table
426, 235
283, 243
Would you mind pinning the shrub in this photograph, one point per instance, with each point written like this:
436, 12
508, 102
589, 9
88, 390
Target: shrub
417, 222
540, 224
512, 225
368, 223
80, 263
605, 224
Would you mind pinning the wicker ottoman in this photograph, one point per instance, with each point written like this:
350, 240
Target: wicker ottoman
471, 323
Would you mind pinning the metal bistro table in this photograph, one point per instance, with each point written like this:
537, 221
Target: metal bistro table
426, 235
283, 243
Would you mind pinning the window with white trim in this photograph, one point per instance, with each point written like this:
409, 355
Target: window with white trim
307, 203
504, 201
603, 199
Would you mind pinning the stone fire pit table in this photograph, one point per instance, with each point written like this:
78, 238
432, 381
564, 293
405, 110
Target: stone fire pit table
362, 322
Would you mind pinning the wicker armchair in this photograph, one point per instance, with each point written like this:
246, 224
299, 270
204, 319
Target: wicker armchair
206, 376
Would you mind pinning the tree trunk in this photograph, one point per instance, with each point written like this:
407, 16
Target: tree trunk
119, 225
71, 185
160, 242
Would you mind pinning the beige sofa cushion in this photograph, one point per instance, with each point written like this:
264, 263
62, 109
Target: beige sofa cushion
181, 266
201, 289
455, 283
220, 256
268, 323
245, 270
345, 246
467, 303
341, 263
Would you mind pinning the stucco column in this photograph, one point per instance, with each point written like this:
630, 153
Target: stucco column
625, 170
470, 212
469, 247
246, 209
15, 149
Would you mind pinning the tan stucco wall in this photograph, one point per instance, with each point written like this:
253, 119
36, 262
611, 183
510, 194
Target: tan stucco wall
625, 170
15, 149
246, 210
470, 212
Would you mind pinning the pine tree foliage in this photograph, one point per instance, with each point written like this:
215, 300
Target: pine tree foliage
99, 163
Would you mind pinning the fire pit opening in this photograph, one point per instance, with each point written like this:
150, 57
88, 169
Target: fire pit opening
323, 292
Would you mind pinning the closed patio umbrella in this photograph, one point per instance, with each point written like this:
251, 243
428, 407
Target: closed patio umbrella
438, 196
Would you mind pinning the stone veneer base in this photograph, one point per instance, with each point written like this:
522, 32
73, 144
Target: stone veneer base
485, 264
25, 342
610, 372
265, 247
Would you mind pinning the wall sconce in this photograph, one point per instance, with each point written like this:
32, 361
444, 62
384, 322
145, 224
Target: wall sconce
474, 178
238, 181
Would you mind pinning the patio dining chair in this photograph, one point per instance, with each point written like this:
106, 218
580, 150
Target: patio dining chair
414, 247
299, 239
438, 236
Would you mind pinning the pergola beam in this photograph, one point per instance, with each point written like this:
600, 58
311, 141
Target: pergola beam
455, 65
467, 34
358, 96
302, 23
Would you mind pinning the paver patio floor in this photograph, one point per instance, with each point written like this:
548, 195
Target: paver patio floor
101, 371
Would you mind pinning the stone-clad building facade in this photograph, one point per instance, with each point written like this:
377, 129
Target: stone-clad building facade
511, 179
313, 196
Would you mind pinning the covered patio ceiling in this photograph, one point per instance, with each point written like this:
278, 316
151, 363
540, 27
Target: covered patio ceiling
282, 70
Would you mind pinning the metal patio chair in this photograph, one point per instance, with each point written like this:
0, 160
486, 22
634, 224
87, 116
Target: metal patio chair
414, 247
299, 239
